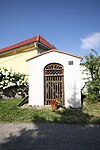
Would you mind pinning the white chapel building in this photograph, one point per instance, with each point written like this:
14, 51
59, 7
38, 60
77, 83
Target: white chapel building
54, 74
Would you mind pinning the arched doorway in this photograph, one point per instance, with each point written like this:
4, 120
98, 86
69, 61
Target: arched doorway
53, 83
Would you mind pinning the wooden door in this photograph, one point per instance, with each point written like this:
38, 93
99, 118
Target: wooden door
53, 83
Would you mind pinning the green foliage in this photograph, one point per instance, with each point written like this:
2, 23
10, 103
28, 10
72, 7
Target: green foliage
12, 82
92, 65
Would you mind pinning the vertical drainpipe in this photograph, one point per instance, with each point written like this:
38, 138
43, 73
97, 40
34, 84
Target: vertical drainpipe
36, 47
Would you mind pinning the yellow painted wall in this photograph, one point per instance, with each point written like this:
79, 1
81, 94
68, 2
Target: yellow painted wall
17, 62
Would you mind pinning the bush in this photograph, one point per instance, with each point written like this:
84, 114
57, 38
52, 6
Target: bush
12, 84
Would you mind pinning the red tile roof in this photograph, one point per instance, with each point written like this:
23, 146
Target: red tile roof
28, 41
54, 50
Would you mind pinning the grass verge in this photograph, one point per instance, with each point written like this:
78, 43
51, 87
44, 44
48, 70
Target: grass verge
10, 112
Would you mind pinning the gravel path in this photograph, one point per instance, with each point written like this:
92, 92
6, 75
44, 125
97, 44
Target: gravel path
49, 136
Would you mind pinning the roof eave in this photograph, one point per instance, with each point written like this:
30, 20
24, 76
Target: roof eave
17, 50
54, 50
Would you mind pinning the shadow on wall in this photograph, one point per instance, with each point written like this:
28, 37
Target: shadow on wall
75, 101
50, 136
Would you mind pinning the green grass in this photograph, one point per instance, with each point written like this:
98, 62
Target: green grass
10, 112
94, 112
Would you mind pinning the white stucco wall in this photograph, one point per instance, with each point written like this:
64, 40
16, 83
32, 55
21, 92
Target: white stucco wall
72, 86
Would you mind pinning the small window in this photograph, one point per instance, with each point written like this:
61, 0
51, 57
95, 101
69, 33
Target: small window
70, 62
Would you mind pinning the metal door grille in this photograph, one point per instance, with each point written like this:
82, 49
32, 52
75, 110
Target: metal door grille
53, 83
